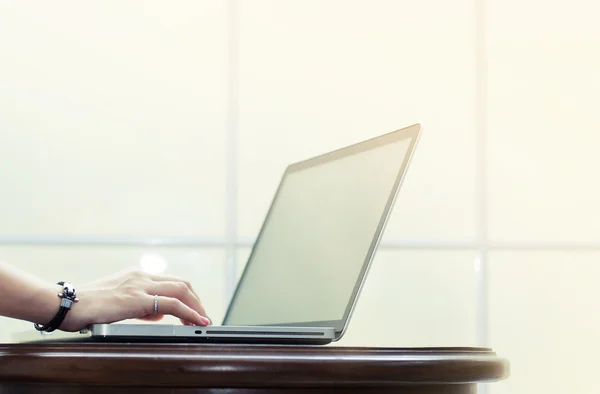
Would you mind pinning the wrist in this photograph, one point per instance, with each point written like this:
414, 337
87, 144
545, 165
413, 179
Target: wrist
46, 303
79, 315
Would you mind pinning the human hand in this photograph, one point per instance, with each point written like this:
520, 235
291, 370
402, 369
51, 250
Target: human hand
130, 295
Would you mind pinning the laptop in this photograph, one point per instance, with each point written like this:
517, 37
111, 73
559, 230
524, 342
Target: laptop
313, 252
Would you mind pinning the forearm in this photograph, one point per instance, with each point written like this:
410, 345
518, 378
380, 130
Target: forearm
23, 296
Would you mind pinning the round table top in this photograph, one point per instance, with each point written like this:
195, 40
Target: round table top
204, 365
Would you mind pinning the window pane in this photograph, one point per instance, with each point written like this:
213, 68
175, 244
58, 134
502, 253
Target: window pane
544, 87
112, 118
417, 298
544, 318
307, 91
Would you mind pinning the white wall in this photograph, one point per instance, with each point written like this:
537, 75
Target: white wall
131, 123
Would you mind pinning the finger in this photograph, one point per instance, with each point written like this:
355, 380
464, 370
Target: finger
174, 307
178, 290
169, 278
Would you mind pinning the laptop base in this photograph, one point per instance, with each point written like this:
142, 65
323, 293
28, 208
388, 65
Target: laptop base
159, 333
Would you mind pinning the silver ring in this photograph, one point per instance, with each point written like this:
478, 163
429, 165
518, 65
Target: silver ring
156, 304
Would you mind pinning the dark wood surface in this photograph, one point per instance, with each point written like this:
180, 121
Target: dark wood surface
200, 368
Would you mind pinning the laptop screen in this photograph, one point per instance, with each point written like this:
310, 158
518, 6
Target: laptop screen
319, 234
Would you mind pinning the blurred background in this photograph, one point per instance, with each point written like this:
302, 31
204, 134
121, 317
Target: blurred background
154, 134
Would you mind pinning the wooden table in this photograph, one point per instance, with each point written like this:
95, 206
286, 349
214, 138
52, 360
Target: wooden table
68, 368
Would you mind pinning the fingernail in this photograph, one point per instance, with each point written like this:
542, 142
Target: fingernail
205, 320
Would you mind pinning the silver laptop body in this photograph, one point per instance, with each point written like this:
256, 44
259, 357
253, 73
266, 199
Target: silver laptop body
313, 252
